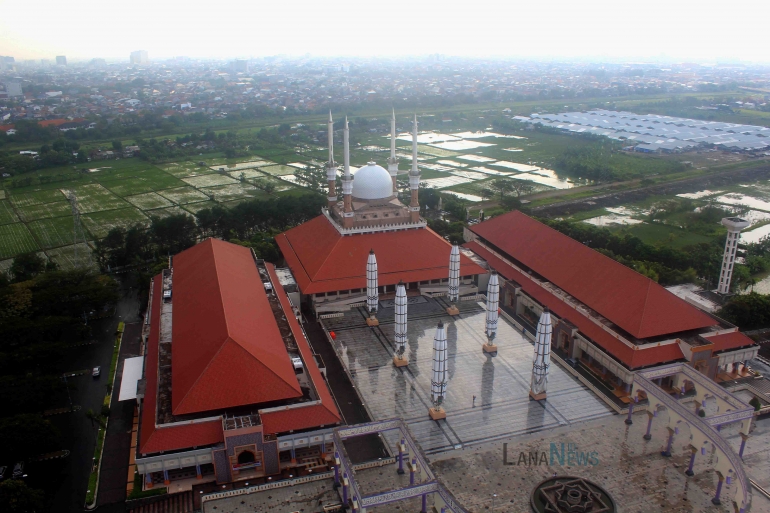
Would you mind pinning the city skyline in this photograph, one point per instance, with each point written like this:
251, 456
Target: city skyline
598, 30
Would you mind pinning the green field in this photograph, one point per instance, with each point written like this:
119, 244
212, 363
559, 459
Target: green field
7, 215
65, 256
100, 223
16, 239
52, 233
149, 201
45, 211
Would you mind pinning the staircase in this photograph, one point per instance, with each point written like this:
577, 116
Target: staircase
175, 503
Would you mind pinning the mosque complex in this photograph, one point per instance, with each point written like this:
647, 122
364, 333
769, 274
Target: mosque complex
520, 330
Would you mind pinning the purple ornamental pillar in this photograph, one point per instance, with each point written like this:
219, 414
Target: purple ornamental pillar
744, 438
400, 470
630, 412
412, 471
336, 470
424, 504
689, 471
345, 489
648, 436
355, 502
667, 452
716, 500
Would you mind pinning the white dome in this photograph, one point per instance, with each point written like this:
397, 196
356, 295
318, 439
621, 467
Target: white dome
372, 182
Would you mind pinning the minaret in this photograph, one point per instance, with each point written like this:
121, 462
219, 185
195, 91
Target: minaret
372, 299
542, 358
438, 380
454, 280
331, 166
414, 178
734, 226
393, 161
347, 181
398, 358
493, 300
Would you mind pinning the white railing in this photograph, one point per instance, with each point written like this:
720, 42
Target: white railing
267, 486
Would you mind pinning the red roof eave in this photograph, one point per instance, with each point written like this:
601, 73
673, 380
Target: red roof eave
632, 358
729, 341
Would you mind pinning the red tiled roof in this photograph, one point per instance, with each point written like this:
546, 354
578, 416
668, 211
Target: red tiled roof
154, 439
727, 341
227, 348
294, 419
633, 302
57, 122
632, 358
322, 260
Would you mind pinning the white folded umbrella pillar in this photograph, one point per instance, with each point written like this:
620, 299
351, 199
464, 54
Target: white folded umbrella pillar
542, 358
454, 280
438, 379
372, 298
400, 335
493, 303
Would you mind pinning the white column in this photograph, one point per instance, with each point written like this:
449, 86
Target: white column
542, 358
331, 166
438, 380
372, 300
400, 329
330, 136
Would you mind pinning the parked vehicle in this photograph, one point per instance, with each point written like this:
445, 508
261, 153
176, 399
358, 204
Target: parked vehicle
97, 372
3, 471
18, 470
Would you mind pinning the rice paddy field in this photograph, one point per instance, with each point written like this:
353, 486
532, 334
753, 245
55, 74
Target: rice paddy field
123, 193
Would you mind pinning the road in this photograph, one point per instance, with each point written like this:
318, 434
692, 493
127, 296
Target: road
79, 436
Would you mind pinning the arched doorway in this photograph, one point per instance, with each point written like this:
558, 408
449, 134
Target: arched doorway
246, 457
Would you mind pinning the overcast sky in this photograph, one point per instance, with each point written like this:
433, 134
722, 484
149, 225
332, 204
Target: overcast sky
703, 30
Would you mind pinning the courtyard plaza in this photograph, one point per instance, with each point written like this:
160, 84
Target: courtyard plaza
630, 468
487, 396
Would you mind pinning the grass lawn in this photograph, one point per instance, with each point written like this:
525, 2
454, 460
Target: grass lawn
225, 193
279, 170
100, 223
54, 232
7, 215
660, 234
194, 208
15, 239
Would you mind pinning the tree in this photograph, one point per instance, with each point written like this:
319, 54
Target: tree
501, 186
28, 265
25, 436
521, 187
747, 311
17, 497
174, 234
117, 146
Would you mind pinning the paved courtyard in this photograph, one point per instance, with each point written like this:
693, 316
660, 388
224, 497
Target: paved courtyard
502, 407
629, 468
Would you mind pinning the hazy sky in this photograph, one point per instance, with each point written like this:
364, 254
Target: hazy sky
704, 30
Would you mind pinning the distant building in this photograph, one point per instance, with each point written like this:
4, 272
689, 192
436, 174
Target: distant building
13, 88
240, 66
140, 57
61, 60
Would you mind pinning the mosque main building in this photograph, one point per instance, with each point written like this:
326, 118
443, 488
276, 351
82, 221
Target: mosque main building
231, 389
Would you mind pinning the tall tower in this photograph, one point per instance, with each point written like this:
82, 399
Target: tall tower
414, 178
347, 180
393, 160
400, 331
438, 379
542, 359
734, 226
331, 166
